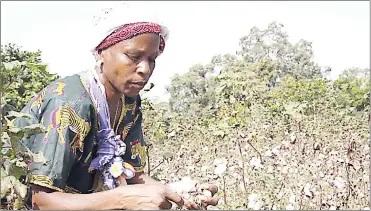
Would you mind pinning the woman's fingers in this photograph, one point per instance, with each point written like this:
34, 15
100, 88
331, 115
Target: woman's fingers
166, 205
213, 201
173, 196
192, 206
210, 187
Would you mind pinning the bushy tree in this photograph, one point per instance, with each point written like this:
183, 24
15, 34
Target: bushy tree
22, 76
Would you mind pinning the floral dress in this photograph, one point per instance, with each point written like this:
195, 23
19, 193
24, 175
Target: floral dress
69, 115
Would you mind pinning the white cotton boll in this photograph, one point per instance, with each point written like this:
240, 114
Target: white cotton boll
258, 205
339, 183
286, 144
292, 199
207, 193
172, 134
250, 205
268, 153
290, 207
255, 162
191, 168
236, 175
280, 195
307, 191
252, 199
175, 186
276, 150
186, 185
292, 138
218, 161
339, 160
204, 168
270, 169
220, 169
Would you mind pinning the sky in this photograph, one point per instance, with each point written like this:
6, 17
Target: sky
339, 31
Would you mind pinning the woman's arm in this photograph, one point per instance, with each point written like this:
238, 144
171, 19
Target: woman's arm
129, 197
45, 199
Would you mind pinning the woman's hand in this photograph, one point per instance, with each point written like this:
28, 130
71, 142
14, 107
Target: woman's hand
148, 197
207, 198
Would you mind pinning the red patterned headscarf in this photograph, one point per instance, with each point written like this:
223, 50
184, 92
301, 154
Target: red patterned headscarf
131, 30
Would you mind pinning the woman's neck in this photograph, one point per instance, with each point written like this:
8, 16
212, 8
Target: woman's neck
112, 95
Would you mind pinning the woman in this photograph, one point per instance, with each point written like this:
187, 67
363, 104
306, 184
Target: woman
94, 133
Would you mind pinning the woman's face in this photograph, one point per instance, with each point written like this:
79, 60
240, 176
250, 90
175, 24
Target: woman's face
129, 64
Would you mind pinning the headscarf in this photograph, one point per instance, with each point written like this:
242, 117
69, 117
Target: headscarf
115, 25
124, 21
130, 30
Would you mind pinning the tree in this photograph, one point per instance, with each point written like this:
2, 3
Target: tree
192, 88
272, 44
353, 86
22, 76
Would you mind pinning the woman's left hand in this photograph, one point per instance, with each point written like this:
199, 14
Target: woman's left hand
208, 198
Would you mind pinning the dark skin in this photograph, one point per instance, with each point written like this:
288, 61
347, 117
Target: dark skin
127, 66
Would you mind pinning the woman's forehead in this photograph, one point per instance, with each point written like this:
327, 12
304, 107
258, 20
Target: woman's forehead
144, 43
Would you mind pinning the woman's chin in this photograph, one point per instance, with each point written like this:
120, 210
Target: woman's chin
131, 93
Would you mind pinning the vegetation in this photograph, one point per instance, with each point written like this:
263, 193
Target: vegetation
268, 127
22, 77
264, 124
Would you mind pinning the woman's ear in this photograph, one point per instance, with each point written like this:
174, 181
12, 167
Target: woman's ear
100, 56
99, 60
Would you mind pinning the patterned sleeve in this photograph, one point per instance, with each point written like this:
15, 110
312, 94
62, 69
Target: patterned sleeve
67, 126
135, 146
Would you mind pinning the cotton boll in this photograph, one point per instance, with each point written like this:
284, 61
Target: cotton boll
290, 207
252, 199
255, 162
220, 169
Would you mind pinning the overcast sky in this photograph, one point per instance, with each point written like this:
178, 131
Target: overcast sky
339, 31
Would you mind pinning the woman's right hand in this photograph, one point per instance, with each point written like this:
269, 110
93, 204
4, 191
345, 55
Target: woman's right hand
148, 197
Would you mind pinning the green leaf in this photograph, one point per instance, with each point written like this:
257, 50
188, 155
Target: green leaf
39, 158
9, 66
41, 67
219, 133
17, 172
156, 176
6, 185
15, 130
4, 173
20, 189
168, 155
6, 108
19, 115
232, 99
34, 129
